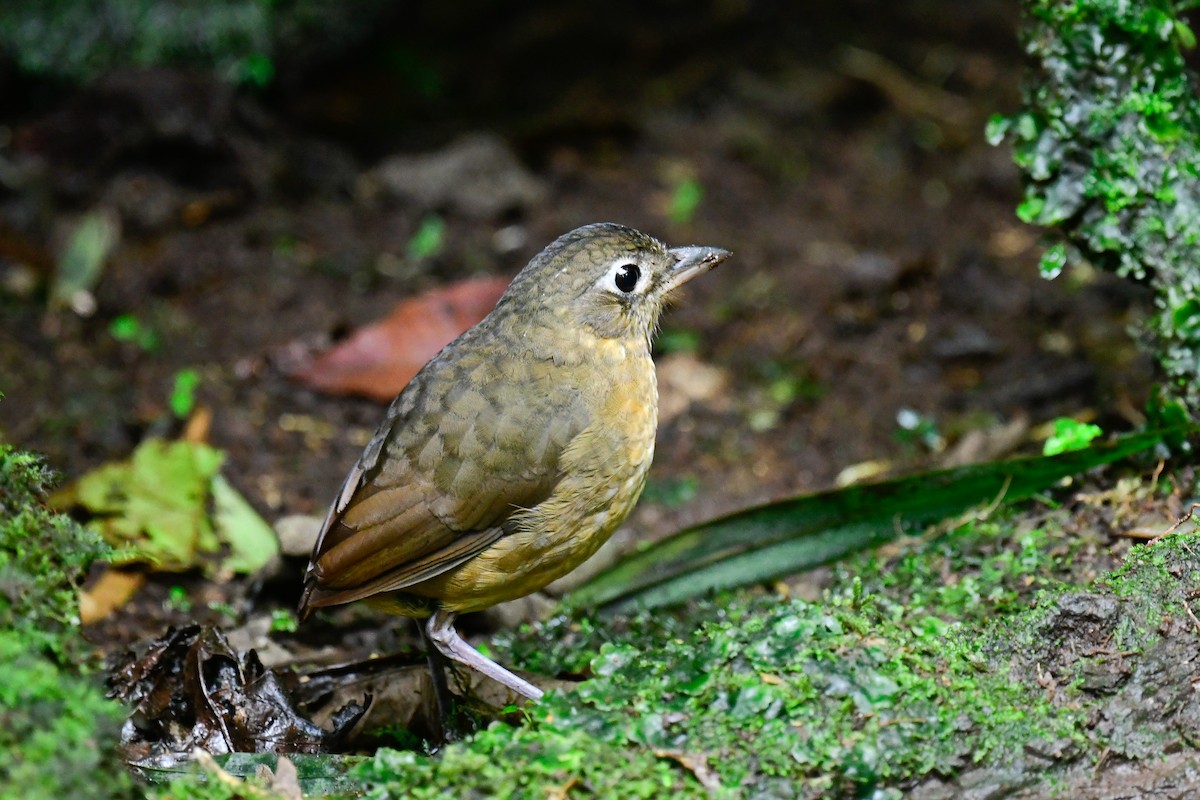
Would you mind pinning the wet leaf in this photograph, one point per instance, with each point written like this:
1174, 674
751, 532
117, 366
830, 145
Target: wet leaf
783, 538
377, 361
191, 689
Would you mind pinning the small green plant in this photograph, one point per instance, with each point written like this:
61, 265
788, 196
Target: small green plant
256, 69
128, 328
183, 393
685, 200
677, 340
429, 239
178, 600
1070, 434
783, 384
224, 609
912, 427
283, 621
672, 492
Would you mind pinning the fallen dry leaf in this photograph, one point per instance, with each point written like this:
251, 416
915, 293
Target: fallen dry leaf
111, 591
377, 361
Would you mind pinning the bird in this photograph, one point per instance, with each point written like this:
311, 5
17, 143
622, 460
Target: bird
516, 451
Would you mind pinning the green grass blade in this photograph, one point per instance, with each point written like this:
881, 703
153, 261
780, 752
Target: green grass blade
767, 542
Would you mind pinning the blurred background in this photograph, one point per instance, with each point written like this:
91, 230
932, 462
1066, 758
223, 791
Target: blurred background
197, 200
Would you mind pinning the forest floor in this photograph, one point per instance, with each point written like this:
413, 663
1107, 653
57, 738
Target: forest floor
883, 311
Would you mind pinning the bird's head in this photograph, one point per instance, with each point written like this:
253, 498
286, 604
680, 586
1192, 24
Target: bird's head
609, 279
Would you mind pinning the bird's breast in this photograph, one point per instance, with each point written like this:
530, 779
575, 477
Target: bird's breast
603, 470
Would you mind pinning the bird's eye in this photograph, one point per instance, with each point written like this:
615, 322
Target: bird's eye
626, 277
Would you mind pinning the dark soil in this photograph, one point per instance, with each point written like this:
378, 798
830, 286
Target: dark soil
878, 264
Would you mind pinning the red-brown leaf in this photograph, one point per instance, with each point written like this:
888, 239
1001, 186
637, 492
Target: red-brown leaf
377, 361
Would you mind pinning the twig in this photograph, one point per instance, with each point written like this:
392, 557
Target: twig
1188, 608
1185, 518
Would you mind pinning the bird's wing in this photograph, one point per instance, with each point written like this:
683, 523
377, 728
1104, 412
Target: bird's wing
438, 483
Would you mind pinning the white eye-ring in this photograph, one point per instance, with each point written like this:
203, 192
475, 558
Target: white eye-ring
624, 278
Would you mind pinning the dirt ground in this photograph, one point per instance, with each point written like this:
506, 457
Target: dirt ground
878, 268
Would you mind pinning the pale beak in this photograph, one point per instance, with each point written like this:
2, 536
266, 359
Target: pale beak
690, 262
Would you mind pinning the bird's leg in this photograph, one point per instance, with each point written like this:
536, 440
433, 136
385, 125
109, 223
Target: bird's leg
440, 630
441, 691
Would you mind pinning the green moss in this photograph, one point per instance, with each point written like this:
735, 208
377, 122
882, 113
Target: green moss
972, 573
1109, 141
58, 733
528, 762
968, 650
884, 681
43, 557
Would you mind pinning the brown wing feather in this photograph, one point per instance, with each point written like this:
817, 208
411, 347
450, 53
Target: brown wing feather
458, 552
439, 480
387, 539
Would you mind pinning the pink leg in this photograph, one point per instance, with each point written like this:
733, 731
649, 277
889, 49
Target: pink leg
441, 632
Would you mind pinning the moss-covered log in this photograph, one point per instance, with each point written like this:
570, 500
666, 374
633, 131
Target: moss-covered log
1109, 143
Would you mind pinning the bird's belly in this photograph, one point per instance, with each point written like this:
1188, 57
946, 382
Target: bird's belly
549, 547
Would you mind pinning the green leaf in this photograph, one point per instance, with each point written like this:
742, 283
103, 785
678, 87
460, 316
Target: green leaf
251, 541
765, 543
155, 508
1031, 208
1053, 261
997, 128
256, 70
1184, 35
128, 328
153, 505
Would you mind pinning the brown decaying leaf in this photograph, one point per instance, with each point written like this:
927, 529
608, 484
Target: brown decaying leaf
378, 360
192, 690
